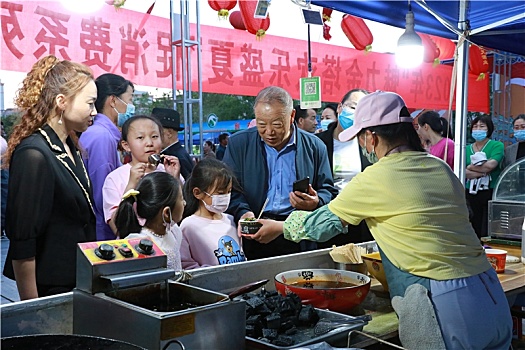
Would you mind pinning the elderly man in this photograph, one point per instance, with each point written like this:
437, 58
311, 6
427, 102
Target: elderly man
306, 119
267, 160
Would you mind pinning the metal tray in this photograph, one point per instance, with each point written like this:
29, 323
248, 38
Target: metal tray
305, 335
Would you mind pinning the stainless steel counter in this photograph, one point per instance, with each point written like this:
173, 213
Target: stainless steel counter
54, 314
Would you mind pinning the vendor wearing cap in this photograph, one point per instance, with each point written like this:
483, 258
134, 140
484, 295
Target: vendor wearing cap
443, 289
170, 121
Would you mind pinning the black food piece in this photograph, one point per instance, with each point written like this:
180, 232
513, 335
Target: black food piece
253, 319
273, 321
273, 318
291, 331
308, 315
269, 333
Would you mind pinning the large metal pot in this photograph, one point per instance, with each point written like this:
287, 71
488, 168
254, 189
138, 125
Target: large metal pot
64, 341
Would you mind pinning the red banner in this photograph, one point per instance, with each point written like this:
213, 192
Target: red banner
233, 61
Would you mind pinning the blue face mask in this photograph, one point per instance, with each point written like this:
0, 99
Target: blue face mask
519, 135
346, 118
325, 123
122, 117
479, 135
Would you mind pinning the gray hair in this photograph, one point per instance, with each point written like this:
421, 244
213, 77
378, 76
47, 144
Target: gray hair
274, 94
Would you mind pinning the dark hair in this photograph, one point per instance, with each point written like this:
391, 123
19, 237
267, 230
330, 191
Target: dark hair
398, 134
223, 137
436, 123
209, 143
333, 107
207, 173
127, 124
487, 120
520, 116
157, 190
301, 113
110, 85
347, 95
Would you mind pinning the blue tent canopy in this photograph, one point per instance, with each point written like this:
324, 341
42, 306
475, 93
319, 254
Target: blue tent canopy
212, 133
494, 24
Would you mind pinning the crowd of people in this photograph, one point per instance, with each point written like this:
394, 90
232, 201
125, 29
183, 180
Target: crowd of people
372, 175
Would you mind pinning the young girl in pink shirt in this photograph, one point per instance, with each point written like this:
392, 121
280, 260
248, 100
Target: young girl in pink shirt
209, 237
142, 137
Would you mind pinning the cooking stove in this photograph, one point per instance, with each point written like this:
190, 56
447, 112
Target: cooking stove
124, 292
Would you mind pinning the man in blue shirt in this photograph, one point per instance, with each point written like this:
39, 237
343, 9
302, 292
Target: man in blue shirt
267, 160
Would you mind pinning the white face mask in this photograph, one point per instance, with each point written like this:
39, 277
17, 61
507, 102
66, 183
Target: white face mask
219, 203
170, 224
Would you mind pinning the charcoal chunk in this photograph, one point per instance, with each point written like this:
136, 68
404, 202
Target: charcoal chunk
269, 333
308, 315
263, 310
254, 302
291, 331
253, 319
273, 321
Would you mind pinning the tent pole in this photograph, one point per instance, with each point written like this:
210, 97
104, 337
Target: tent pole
461, 98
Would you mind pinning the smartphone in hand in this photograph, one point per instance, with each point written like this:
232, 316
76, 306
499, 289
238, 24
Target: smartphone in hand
301, 185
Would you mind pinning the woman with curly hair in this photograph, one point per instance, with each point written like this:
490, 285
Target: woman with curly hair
49, 205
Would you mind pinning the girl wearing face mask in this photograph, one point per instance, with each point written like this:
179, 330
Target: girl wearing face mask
482, 128
209, 237
158, 200
516, 151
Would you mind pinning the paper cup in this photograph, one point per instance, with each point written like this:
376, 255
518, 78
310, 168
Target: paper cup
497, 258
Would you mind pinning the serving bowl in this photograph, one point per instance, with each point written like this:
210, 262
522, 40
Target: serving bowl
331, 289
374, 265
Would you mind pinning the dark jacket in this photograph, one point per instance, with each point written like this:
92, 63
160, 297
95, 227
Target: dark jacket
246, 156
327, 137
49, 209
186, 163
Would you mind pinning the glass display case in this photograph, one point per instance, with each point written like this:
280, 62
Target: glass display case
507, 207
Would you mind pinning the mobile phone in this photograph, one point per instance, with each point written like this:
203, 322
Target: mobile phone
301, 185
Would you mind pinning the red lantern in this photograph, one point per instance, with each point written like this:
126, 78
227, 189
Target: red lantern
431, 50
478, 62
256, 26
446, 47
357, 32
222, 6
236, 20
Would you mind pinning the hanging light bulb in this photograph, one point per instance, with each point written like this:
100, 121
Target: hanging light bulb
409, 52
